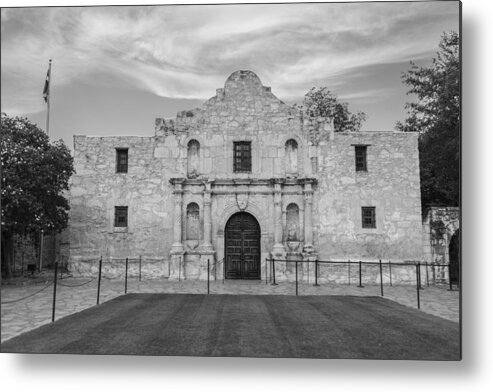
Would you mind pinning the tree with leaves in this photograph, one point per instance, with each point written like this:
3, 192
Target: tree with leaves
35, 174
435, 114
322, 102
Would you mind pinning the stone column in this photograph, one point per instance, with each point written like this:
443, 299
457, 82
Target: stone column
177, 217
283, 225
308, 196
309, 253
206, 248
207, 217
278, 249
177, 249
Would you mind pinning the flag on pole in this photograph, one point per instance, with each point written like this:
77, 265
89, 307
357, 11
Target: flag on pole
46, 89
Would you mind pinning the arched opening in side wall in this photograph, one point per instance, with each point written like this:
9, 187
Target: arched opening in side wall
454, 257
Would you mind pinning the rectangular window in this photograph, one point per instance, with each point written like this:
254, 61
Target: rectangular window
360, 154
368, 218
242, 157
121, 216
122, 160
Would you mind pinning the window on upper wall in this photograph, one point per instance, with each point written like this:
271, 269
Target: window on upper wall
122, 160
121, 216
360, 158
368, 220
242, 157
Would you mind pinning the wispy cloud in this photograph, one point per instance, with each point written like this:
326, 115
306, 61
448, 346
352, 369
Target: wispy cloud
188, 51
365, 95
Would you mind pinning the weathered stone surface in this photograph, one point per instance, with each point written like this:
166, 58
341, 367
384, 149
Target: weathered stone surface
318, 176
391, 184
440, 224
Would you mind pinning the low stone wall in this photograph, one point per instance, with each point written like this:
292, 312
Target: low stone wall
398, 273
115, 268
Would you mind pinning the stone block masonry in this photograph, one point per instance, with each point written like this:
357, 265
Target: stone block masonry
390, 184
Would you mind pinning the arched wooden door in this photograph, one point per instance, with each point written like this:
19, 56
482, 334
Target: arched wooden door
242, 247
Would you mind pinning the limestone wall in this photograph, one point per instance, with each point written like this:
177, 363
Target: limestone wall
27, 248
439, 225
96, 189
243, 111
391, 184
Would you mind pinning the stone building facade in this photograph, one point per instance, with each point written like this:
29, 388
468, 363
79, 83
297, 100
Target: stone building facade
241, 179
441, 230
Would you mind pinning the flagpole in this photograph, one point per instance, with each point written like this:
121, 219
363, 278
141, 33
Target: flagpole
48, 99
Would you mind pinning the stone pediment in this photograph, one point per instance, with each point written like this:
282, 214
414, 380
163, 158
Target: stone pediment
239, 105
243, 83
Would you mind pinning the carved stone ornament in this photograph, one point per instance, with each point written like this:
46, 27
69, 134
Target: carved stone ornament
242, 200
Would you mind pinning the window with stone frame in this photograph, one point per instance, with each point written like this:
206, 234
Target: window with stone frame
368, 220
122, 160
121, 216
242, 157
360, 157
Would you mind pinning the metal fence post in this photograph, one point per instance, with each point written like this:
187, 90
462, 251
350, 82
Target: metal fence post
427, 278
266, 277
273, 273
99, 278
208, 276
307, 271
419, 274
296, 276
450, 277
41, 245
381, 278
459, 277
54, 292
417, 285
349, 272
179, 269
360, 285
126, 274
390, 272
316, 273
140, 268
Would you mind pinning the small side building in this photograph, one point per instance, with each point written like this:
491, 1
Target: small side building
441, 230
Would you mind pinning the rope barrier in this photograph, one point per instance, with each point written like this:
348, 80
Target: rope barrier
26, 297
76, 285
376, 263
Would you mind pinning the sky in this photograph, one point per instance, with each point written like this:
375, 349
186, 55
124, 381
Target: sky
116, 68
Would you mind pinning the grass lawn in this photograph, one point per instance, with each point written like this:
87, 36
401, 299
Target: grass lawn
247, 326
